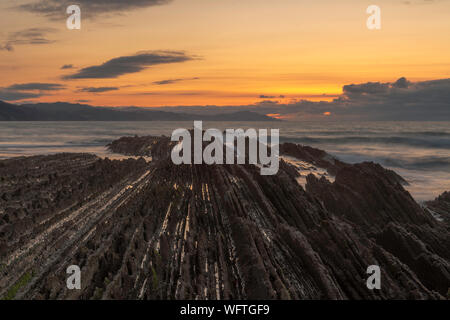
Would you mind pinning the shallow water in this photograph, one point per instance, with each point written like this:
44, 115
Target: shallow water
419, 151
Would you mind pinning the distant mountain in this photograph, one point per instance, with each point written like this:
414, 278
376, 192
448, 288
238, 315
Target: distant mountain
61, 111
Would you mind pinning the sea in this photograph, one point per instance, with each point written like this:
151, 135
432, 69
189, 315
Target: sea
418, 151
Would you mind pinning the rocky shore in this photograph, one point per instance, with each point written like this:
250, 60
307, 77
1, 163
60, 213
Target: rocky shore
155, 230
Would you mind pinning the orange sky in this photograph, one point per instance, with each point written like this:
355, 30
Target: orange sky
284, 50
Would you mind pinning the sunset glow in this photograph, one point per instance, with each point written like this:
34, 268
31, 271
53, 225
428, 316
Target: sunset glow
239, 51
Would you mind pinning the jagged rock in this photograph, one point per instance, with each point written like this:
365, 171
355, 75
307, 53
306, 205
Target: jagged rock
440, 207
141, 230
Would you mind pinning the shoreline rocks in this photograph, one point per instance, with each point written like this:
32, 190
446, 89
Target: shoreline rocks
156, 230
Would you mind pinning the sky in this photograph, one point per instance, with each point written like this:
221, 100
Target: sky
272, 53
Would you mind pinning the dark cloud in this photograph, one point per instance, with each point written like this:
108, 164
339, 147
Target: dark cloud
270, 97
169, 81
268, 103
266, 97
67, 66
28, 90
10, 95
172, 81
401, 83
98, 89
398, 100
31, 36
7, 47
36, 86
129, 64
365, 88
55, 9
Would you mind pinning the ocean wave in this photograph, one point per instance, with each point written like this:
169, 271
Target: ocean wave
441, 164
391, 140
427, 163
88, 143
358, 132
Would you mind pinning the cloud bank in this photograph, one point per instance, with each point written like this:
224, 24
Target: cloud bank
172, 81
98, 89
55, 9
398, 100
67, 66
32, 90
129, 64
31, 36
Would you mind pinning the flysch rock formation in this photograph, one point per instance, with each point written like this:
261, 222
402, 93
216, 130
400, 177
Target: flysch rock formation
155, 230
440, 207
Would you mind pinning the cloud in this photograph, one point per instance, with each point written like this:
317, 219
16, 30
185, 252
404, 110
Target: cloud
129, 64
270, 97
98, 89
31, 36
36, 86
28, 90
266, 97
268, 103
55, 9
67, 66
7, 47
401, 83
397, 100
365, 88
169, 81
172, 81
9, 95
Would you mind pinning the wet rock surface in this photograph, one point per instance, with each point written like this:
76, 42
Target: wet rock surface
440, 207
158, 148
155, 230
